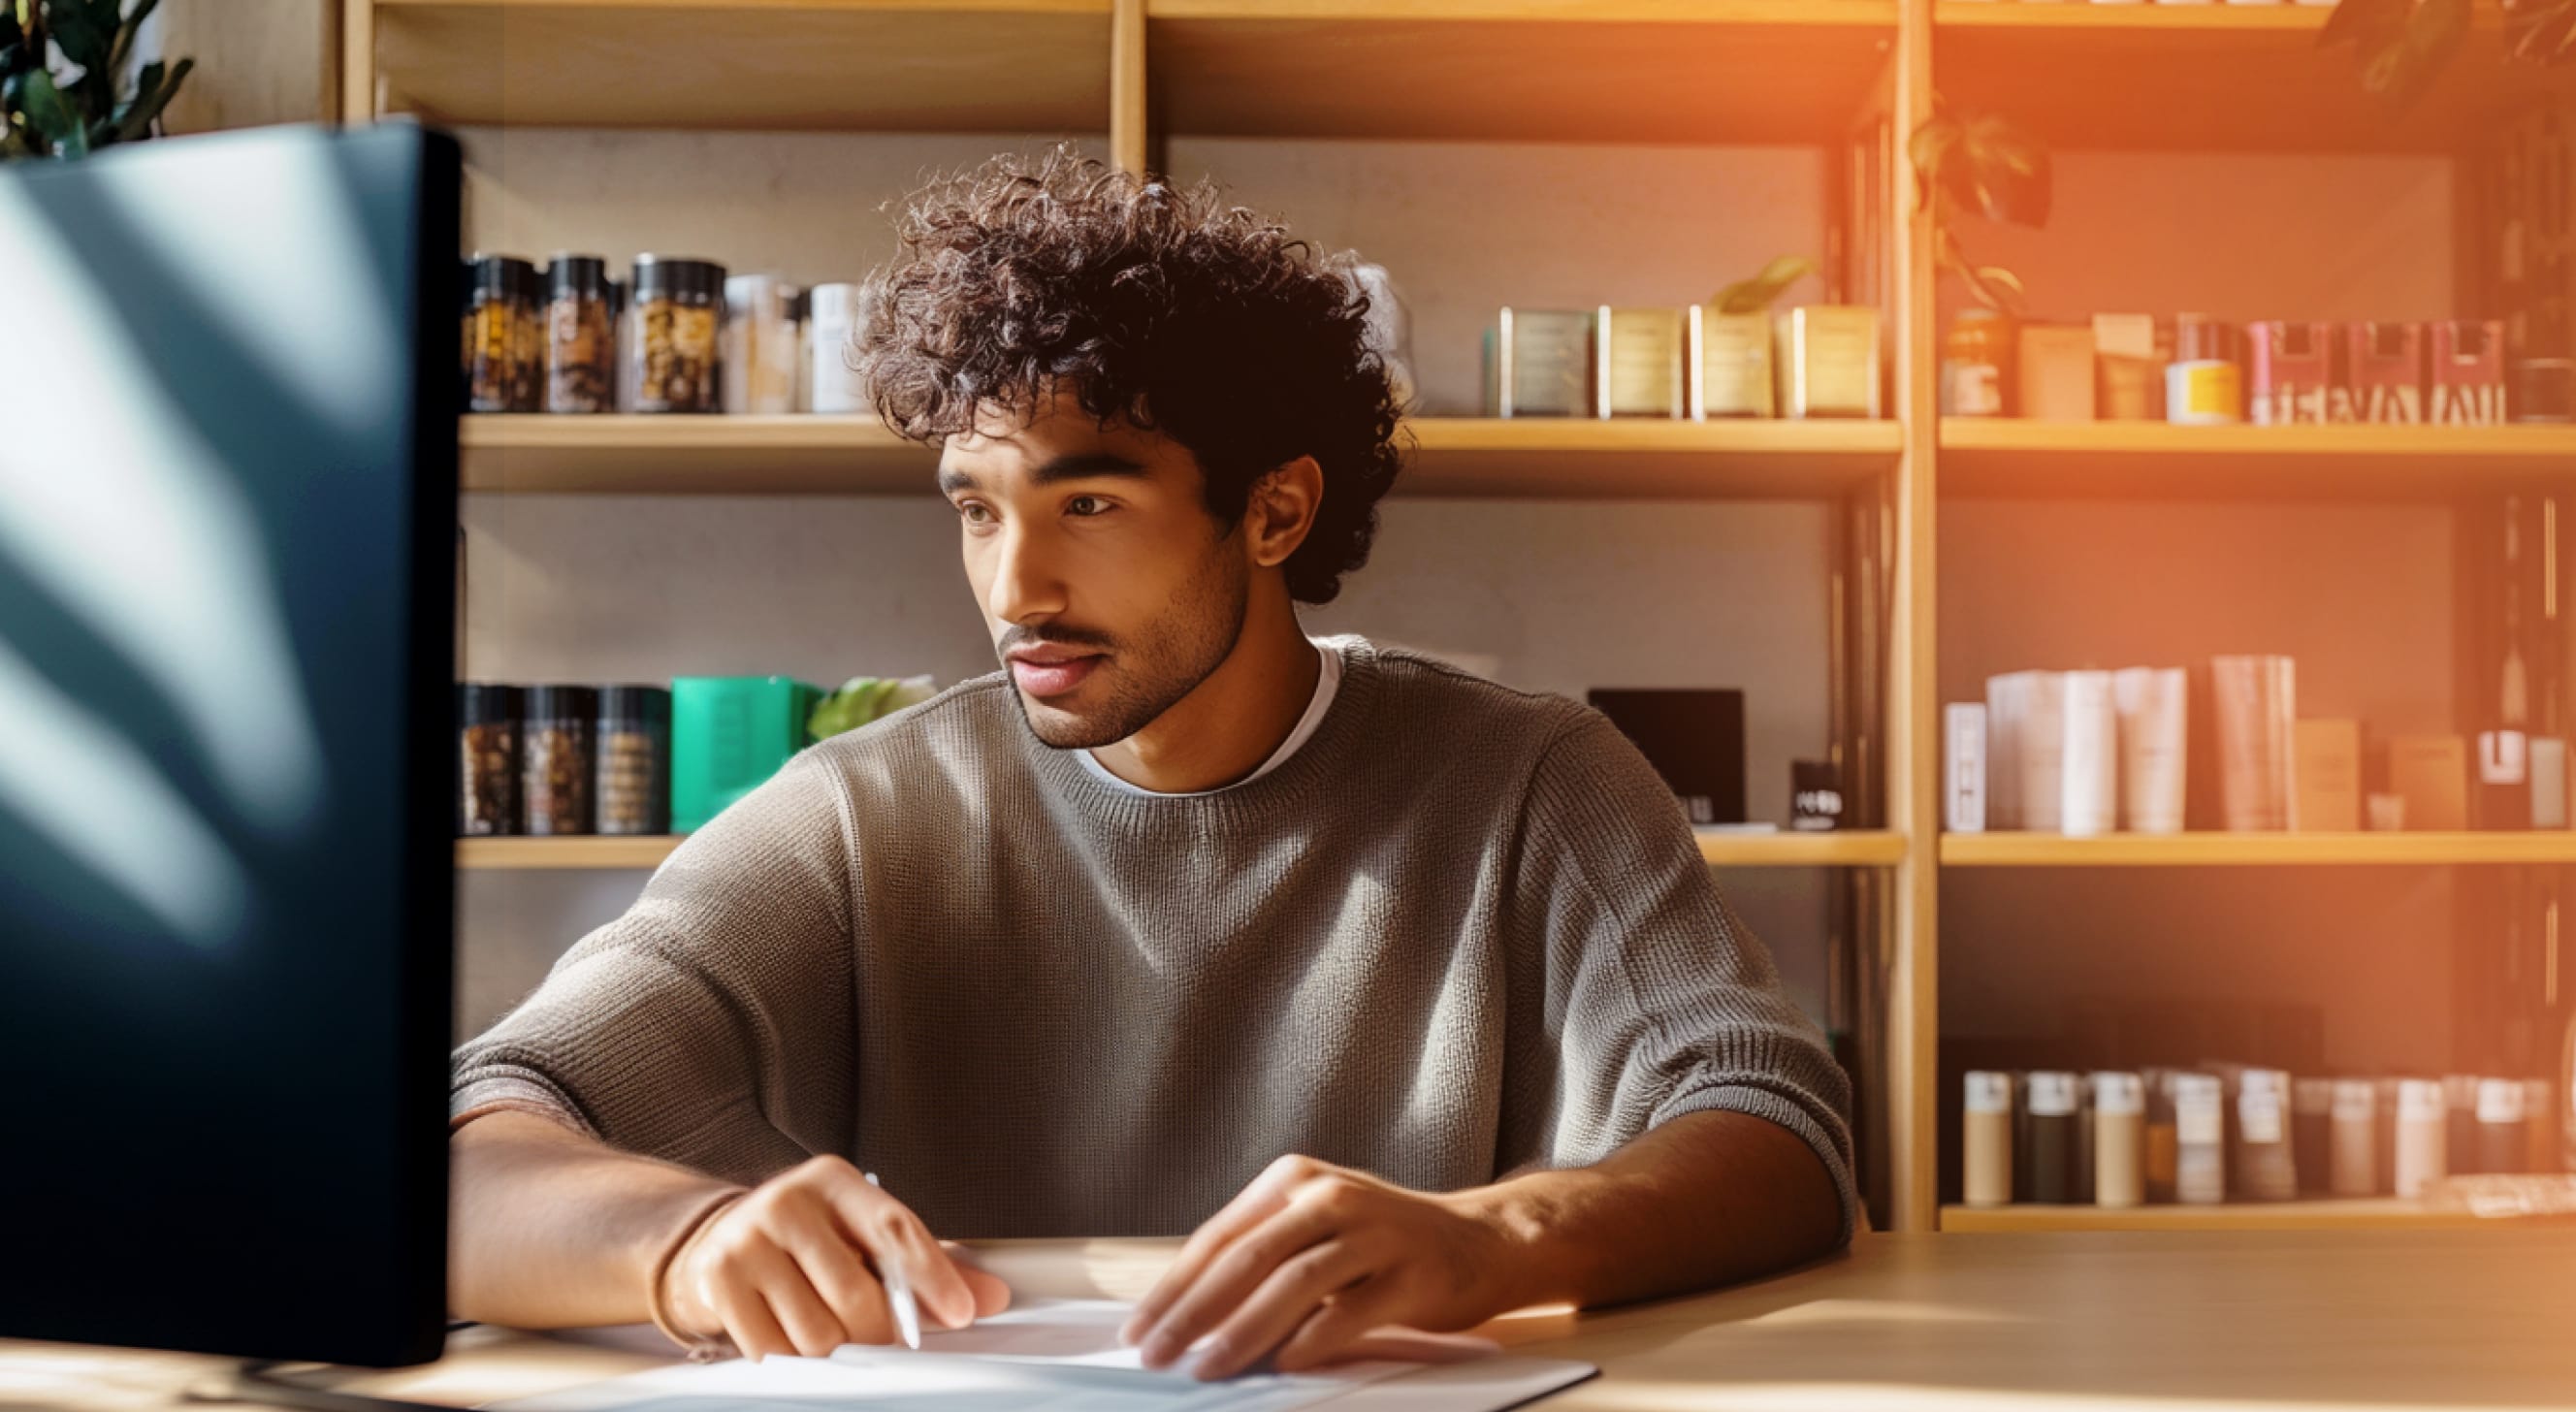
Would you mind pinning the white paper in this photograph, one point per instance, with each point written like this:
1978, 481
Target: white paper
1044, 1355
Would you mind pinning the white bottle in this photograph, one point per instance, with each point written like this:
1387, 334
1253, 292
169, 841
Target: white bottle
834, 323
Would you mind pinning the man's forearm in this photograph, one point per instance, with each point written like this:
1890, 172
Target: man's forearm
1706, 1199
548, 1228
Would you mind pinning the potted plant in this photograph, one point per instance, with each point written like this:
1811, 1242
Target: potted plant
64, 89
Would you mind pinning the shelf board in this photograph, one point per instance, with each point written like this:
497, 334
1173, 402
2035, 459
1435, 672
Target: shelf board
2347, 1214
2009, 457
1678, 71
1856, 848
1845, 848
885, 65
2014, 849
1454, 457
518, 854
2212, 77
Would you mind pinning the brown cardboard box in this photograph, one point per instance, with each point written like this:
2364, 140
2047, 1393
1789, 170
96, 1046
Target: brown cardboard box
2057, 372
2431, 772
2326, 777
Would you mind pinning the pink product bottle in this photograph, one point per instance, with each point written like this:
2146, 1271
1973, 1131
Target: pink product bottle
2384, 363
2466, 373
2290, 374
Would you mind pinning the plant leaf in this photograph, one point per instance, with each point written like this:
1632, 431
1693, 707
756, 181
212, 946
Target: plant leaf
82, 40
135, 123
2536, 31
126, 31
33, 93
2400, 48
1748, 296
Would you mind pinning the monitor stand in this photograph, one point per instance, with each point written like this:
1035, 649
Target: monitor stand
257, 1381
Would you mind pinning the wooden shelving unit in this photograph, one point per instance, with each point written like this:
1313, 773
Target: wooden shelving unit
1857, 848
2230, 850
2323, 1215
2205, 78
1455, 456
1752, 71
879, 65
1832, 74
1983, 456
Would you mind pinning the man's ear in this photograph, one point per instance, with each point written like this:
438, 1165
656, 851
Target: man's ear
1281, 510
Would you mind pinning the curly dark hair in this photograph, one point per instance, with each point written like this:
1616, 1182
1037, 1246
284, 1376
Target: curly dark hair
1164, 306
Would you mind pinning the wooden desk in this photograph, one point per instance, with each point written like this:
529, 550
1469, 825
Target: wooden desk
2203, 1321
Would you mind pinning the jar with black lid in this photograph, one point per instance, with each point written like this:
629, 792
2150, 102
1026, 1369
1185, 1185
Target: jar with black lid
634, 748
581, 350
672, 335
504, 348
556, 748
487, 734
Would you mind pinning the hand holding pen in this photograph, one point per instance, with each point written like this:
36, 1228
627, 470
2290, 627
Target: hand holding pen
819, 1256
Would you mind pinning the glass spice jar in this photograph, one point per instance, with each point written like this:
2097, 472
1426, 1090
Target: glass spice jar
487, 735
671, 339
581, 362
634, 746
503, 349
555, 746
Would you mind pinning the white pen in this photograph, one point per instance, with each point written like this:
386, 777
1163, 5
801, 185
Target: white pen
907, 1314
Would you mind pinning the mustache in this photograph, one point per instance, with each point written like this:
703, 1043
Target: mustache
1013, 641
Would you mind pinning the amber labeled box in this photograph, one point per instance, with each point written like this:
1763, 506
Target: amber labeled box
2290, 373
1538, 363
2385, 364
2465, 372
2056, 374
2431, 773
2325, 775
1829, 361
1639, 362
1730, 364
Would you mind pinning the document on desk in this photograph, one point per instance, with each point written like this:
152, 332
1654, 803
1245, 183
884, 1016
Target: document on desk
1050, 1355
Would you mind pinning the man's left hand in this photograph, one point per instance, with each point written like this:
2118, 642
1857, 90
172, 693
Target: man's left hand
1310, 1258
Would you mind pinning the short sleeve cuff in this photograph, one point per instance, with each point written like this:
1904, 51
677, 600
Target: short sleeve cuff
1771, 1107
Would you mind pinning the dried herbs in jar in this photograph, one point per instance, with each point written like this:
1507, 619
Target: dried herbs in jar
634, 747
556, 749
487, 737
581, 350
504, 344
672, 334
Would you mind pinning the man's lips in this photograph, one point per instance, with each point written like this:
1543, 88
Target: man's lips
1041, 677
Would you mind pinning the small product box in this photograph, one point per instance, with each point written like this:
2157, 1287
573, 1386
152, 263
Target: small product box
1638, 362
2289, 372
2057, 372
2466, 367
1730, 364
1538, 363
2386, 368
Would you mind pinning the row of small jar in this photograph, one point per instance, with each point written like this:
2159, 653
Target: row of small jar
677, 335
555, 760
2121, 1139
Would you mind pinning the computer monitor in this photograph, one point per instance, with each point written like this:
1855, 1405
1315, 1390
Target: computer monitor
228, 373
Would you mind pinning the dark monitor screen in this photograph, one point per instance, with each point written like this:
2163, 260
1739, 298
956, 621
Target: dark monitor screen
227, 519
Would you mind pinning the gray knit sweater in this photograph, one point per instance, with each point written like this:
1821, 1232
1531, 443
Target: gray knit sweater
1463, 930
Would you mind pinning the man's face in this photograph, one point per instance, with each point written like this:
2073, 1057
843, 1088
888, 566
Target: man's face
1094, 546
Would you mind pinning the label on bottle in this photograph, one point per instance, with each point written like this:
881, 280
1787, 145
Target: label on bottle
2499, 1100
2198, 1110
1976, 389
2052, 1095
2420, 1101
2258, 1114
2118, 1094
1989, 1092
2312, 1096
2354, 1101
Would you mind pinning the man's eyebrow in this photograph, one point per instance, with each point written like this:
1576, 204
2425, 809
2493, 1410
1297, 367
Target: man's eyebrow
1081, 466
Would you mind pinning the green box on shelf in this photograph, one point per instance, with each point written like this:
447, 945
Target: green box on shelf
728, 736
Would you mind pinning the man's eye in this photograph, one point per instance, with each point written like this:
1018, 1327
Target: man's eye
1090, 500
970, 509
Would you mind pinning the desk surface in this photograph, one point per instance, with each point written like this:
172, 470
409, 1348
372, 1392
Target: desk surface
2383, 1320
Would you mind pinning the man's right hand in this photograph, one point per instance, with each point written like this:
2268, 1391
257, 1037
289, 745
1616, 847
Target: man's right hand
792, 1267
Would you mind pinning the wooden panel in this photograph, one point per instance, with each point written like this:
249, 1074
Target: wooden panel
893, 65
1467, 456
2211, 78
258, 62
1982, 456
2346, 1215
1697, 71
1859, 848
2040, 850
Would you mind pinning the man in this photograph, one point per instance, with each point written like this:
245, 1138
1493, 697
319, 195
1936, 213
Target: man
1405, 994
